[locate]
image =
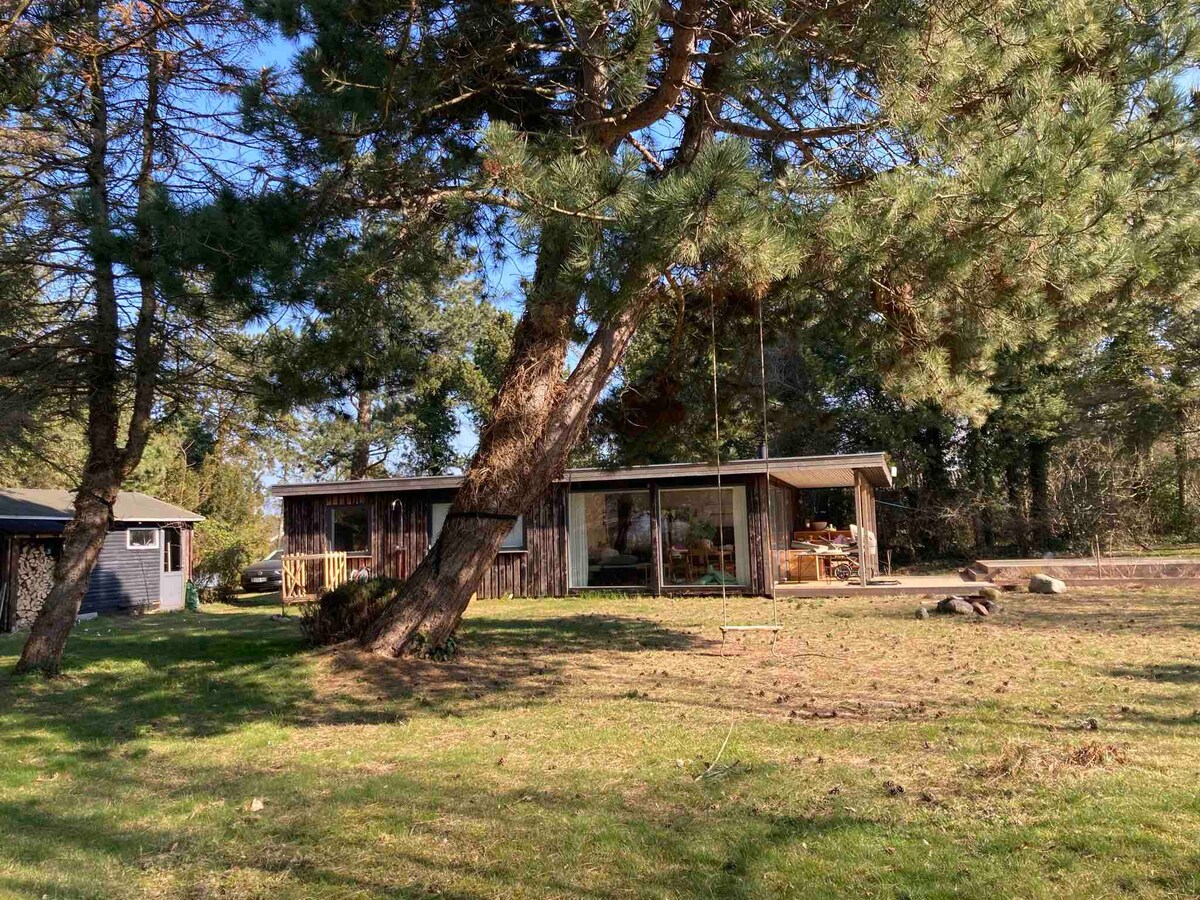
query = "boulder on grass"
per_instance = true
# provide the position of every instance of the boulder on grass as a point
(955, 606)
(922, 613)
(1044, 584)
(991, 606)
(980, 608)
(990, 593)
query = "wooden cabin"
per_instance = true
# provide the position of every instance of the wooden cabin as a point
(650, 529)
(144, 565)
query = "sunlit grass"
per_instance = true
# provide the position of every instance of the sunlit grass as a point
(1050, 751)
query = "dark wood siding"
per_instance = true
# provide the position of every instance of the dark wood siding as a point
(759, 528)
(400, 524)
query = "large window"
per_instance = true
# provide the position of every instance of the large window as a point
(514, 540)
(705, 539)
(350, 529)
(610, 539)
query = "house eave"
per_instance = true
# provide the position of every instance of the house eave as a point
(804, 471)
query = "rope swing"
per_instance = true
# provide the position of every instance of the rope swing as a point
(774, 628)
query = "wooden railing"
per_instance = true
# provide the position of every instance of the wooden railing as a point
(307, 575)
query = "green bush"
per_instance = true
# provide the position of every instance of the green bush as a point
(345, 612)
(223, 550)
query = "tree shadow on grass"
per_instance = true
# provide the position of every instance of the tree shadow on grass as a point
(255, 600)
(176, 673)
(668, 839)
(207, 674)
(502, 662)
(1171, 673)
(583, 632)
(425, 830)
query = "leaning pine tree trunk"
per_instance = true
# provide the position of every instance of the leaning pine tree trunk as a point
(83, 540)
(537, 418)
(107, 463)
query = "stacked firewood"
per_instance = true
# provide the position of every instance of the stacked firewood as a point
(35, 575)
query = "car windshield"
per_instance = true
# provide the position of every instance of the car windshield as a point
(275, 555)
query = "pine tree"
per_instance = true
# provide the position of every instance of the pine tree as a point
(113, 129)
(958, 177)
(380, 361)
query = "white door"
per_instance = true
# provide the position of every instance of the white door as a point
(170, 584)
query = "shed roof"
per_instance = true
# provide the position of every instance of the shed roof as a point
(798, 471)
(39, 505)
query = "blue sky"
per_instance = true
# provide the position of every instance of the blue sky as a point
(502, 275)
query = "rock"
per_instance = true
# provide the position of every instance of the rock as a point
(1044, 584)
(956, 606)
(991, 606)
(990, 593)
(980, 609)
(922, 613)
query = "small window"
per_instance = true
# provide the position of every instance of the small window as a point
(514, 540)
(349, 529)
(141, 539)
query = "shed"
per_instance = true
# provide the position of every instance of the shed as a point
(143, 566)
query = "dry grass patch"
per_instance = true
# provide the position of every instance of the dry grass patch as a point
(1024, 760)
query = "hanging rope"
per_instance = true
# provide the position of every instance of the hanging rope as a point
(766, 452)
(712, 323)
(774, 627)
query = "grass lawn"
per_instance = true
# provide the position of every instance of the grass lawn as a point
(1051, 751)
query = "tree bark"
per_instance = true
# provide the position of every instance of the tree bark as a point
(84, 538)
(537, 417)
(538, 420)
(107, 464)
(1016, 506)
(933, 444)
(360, 460)
(1182, 464)
(981, 517)
(1039, 494)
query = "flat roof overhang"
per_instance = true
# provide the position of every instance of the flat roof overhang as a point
(797, 471)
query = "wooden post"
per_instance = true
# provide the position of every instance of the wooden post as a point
(868, 541)
(7, 585)
(656, 554)
(860, 516)
(766, 535)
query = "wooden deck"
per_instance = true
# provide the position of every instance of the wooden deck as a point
(1108, 569)
(943, 585)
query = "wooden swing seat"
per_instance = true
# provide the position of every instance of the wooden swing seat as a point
(774, 629)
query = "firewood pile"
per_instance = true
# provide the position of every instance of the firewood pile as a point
(35, 575)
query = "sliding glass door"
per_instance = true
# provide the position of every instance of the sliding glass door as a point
(610, 539)
(705, 538)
